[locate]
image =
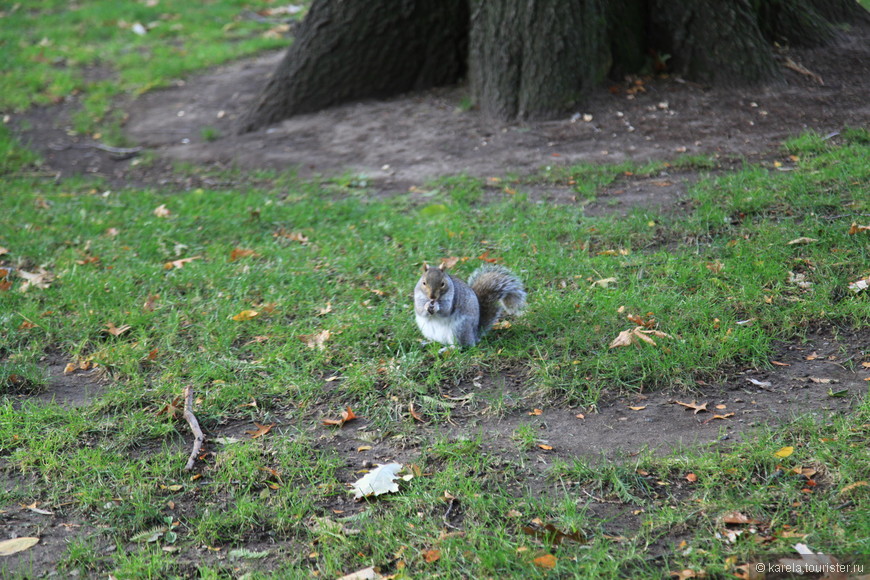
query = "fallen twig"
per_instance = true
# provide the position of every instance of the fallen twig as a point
(799, 68)
(199, 438)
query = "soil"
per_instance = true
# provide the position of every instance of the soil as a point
(407, 140)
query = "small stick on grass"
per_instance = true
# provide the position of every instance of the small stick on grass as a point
(199, 438)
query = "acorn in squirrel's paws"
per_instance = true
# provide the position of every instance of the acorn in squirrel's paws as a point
(452, 312)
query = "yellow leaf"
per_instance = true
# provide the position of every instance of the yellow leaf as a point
(15, 545)
(637, 408)
(784, 452)
(246, 315)
(547, 561)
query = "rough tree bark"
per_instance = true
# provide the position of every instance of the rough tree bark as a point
(356, 49)
(533, 58)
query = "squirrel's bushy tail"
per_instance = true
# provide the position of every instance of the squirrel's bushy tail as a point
(497, 289)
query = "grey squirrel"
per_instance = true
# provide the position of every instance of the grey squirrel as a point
(452, 312)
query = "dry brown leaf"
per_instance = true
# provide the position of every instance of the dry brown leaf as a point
(545, 447)
(536, 412)
(860, 284)
(260, 430)
(802, 240)
(316, 340)
(239, 253)
(40, 279)
(853, 486)
(161, 211)
(3, 251)
(70, 368)
(150, 301)
(737, 518)
(641, 408)
(697, 408)
(173, 408)
(325, 310)
(346, 415)
(414, 413)
(627, 337)
(448, 263)
(431, 555)
(715, 266)
(115, 330)
(15, 545)
(855, 228)
(551, 534)
(179, 263)
(691, 477)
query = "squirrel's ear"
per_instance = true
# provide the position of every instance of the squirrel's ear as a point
(425, 267)
(442, 266)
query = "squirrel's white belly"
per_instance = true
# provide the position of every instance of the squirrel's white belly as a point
(437, 328)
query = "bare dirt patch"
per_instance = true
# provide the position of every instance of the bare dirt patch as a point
(409, 139)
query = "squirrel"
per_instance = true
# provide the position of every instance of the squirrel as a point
(452, 312)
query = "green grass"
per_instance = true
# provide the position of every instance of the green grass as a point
(320, 247)
(325, 257)
(91, 51)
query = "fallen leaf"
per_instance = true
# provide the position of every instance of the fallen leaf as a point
(688, 573)
(3, 251)
(855, 228)
(378, 481)
(603, 283)
(853, 486)
(16, 545)
(637, 408)
(484, 257)
(545, 447)
(691, 477)
(823, 380)
(239, 253)
(172, 408)
(115, 330)
(536, 412)
(346, 415)
(70, 368)
(40, 279)
(32, 507)
(325, 310)
(784, 452)
(737, 518)
(757, 383)
(150, 301)
(580, 416)
(802, 241)
(245, 315)
(414, 413)
(363, 574)
(179, 263)
(780, 364)
(627, 337)
(431, 555)
(316, 340)
(547, 561)
(447, 263)
(260, 430)
(551, 534)
(715, 266)
(292, 236)
(161, 211)
(694, 406)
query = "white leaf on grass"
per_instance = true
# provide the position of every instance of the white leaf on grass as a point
(364, 574)
(859, 285)
(758, 383)
(378, 481)
(8, 547)
(41, 279)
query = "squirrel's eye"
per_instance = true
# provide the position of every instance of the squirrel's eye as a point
(444, 284)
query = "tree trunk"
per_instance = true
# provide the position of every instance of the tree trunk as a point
(533, 58)
(711, 41)
(357, 49)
